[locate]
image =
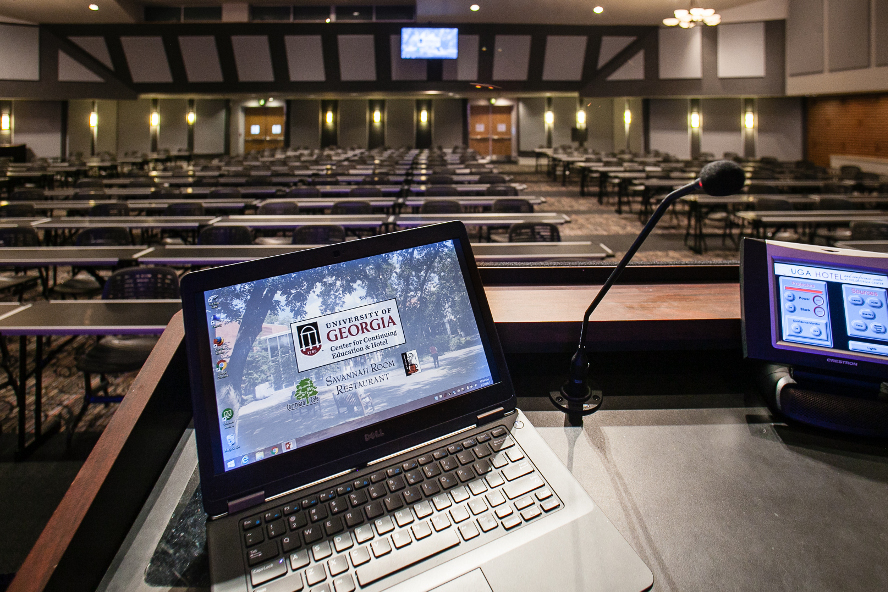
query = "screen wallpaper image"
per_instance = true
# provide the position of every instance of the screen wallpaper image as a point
(302, 357)
(839, 309)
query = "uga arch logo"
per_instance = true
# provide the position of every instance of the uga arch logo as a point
(309, 339)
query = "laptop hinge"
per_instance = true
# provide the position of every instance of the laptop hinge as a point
(489, 415)
(254, 499)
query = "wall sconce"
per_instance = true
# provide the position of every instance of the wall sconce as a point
(93, 119)
(749, 120)
(377, 116)
(155, 119)
(4, 122)
(581, 119)
(329, 118)
(695, 120)
(423, 116)
(190, 117)
(550, 118)
(627, 117)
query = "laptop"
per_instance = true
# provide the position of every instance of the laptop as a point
(357, 429)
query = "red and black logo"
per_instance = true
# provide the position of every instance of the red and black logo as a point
(309, 339)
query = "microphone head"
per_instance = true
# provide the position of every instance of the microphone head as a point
(722, 177)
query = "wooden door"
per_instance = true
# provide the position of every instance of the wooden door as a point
(490, 129)
(263, 128)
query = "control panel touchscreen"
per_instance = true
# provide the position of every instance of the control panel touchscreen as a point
(832, 307)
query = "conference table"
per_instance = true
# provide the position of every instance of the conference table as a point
(812, 219)
(71, 225)
(376, 222)
(536, 252)
(876, 246)
(390, 204)
(484, 221)
(463, 188)
(467, 201)
(70, 318)
(83, 206)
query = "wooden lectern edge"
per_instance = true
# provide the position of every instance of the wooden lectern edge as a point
(44, 557)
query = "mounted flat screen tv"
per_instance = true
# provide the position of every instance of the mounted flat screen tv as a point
(429, 43)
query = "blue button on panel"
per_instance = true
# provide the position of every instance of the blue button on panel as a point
(868, 348)
(806, 311)
(867, 320)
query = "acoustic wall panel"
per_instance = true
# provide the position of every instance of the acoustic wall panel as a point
(599, 123)
(78, 126)
(106, 138)
(741, 50)
(804, 37)
(780, 126)
(465, 66)
(400, 127)
(70, 70)
(633, 69)
(147, 59)
(173, 129)
(357, 59)
(252, 58)
(96, 47)
(19, 53)
(405, 69)
(681, 53)
(38, 125)
(720, 126)
(305, 58)
(531, 123)
(881, 15)
(305, 123)
(565, 55)
(134, 131)
(611, 46)
(447, 122)
(353, 123)
(849, 34)
(668, 125)
(511, 57)
(565, 111)
(201, 58)
(209, 126)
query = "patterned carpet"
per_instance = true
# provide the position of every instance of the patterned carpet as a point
(63, 384)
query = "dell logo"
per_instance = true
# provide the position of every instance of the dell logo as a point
(373, 435)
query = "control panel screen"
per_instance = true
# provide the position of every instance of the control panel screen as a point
(833, 308)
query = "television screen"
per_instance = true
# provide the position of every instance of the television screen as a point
(429, 43)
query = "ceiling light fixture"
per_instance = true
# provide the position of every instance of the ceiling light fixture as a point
(474, 8)
(688, 19)
(93, 7)
(598, 10)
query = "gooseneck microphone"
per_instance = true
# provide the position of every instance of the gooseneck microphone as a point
(575, 398)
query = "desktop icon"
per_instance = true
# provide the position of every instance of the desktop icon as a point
(231, 439)
(287, 445)
(245, 459)
(260, 455)
(274, 450)
(231, 464)
(213, 301)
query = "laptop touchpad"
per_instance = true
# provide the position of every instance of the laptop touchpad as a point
(473, 581)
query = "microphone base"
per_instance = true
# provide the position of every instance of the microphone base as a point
(576, 407)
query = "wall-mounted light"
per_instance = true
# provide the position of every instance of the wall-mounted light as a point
(4, 122)
(627, 116)
(377, 116)
(550, 118)
(329, 118)
(423, 116)
(261, 102)
(749, 120)
(598, 10)
(581, 118)
(695, 120)
(190, 117)
(155, 119)
(474, 8)
(93, 7)
(93, 119)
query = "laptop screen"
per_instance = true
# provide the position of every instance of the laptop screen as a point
(302, 357)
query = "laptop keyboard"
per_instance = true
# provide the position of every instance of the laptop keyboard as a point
(354, 534)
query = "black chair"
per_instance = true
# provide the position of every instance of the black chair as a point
(352, 207)
(513, 206)
(491, 179)
(225, 235)
(121, 354)
(225, 193)
(776, 204)
(365, 191)
(165, 193)
(534, 232)
(19, 237)
(142, 182)
(184, 209)
(325, 180)
(439, 180)
(375, 180)
(27, 194)
(278, 208)
(441, 191)
(89, 184)
(441, 206)
(501, 190)
(318, 234)
(759, 189)
(120, 208)
(863, 230)
(90, 283)
(17, 210)
(306, 191)
(849, 171)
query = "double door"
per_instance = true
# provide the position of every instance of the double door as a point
(490, 129)
(263, 128)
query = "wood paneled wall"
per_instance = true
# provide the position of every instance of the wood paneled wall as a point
(855, 124)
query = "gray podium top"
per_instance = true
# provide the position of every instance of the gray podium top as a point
(718, 497)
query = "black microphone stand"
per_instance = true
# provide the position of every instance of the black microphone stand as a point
(576, 398)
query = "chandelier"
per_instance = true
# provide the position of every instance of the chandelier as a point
(687, 19)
